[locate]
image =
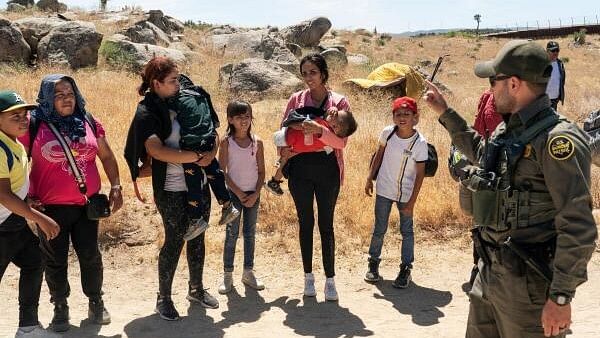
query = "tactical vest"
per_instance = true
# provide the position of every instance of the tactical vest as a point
(496, 203)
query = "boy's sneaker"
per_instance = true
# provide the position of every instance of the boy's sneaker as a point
(250, 280)
(60, 320)
(97, 312)
(403, 278)
(372, 275)
(165, 309)
(330, 291)
(229, 213)
(274, 186)
(34, 331)
(309, 285)
(227, 284)
(201, 296)
(196, 228)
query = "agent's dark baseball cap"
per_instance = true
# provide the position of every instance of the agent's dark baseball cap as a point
(552, 46)
(522, 58)
(11, 101)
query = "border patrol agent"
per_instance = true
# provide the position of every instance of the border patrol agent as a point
(531, 201)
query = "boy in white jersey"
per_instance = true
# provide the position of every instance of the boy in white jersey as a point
(18, 244)
(399, 168)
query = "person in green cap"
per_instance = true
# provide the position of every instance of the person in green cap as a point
(18, 244)
(531, 201)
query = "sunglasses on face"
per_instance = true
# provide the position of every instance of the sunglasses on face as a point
(495, 78)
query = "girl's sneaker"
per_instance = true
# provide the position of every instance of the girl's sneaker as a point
(309, 285)
(35, 331)
(330, 291)
(227, 284)
(250, 280)
(274, 186)
(196, 228)
(229, 214)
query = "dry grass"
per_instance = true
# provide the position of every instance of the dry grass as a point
(111, 97)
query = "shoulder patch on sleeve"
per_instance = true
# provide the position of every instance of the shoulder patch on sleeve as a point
(561, 147)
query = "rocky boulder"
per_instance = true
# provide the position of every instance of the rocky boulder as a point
(307, 33)
(357, 59)
(257, 44)
(25, 3)
(34, 29)
(12, 7)
(147, 32)
(74, 43)
(13, 47)
(51, 6)
(255, 79)
(166, 23)
(334, 57)
(224, 29)
(118, 50)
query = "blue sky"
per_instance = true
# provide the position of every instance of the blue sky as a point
(393, 16)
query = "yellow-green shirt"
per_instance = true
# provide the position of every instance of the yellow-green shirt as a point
(18, 175)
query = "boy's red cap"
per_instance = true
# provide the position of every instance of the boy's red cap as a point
(405, 102)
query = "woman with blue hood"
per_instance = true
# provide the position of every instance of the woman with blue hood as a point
(62, 186)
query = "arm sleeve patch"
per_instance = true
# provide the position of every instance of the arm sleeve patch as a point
(561, 147)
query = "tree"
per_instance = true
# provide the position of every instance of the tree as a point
(375, 30)
(477, 18)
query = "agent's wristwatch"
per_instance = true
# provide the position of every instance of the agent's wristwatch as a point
(560, 299)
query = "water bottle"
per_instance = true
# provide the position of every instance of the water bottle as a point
(308, 138)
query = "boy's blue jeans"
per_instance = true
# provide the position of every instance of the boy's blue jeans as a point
(248, 216)
(383, 207)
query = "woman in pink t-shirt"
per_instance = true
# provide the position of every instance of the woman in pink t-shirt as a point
(56, 192)
(317, 175)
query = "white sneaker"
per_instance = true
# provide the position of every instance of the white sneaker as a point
(330, 291)
(35, 331)
(309, 285)
(227, 284)
(250, 279)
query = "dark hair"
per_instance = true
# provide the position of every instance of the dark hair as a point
(319, 61)
(349, 124)
(236, 108)
(537, 88)
(156, 69)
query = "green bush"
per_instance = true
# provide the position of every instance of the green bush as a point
(579, 37)
(115, 55)
(200, 25)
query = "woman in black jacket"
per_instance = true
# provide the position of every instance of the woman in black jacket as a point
(154, 133)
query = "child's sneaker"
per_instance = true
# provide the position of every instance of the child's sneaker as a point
(330, 291)
(227, 284)
(403, 279)
(196, 228)
(309, 285)
(274, 186)
(229, 213)
(250, 280)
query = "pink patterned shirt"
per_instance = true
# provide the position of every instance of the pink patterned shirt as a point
(51, 178)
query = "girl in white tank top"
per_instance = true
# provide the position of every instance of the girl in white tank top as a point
(241, 155)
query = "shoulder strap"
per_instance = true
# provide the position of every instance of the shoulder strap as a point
(530, 133)
(69, 155)
(9, 155)
(391, 134)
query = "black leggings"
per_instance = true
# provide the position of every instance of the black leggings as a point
(83, 233)
(315, 175)
(172, 207)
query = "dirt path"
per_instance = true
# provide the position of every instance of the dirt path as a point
(434, 306)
